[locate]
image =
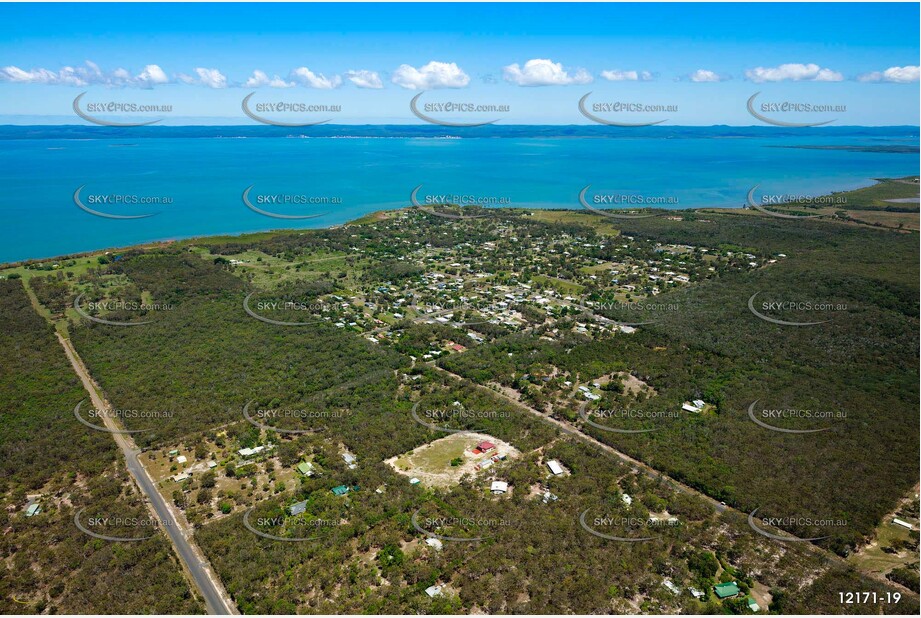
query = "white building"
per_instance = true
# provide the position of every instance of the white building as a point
(499, 487)
(555, 467)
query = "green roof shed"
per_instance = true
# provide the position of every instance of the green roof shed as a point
(724, 591)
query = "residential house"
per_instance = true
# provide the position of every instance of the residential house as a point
(298, 508)
(726, 590)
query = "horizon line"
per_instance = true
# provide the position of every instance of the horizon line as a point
(494, 126)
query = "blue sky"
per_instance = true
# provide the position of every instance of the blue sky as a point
(699, 62)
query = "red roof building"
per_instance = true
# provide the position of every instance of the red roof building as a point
(485, 446)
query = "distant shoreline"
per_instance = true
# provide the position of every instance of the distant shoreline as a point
(400, 131)
(894, 149)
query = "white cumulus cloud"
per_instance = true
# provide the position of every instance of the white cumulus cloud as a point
(627, 76)
(88, 75)
(365, 79)
(898, 75)
(703, 75)
(151, 76)
(259, 79)
(793, 72)
(33, 76)
(432, 75)
(308, 78)
(211, 78)
(543, 72)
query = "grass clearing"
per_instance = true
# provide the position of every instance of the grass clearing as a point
(431, 463)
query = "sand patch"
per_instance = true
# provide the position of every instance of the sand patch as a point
(431, 463)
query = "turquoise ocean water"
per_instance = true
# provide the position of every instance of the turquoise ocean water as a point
(203, 176)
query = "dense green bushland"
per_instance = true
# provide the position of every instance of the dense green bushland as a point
(49, 565)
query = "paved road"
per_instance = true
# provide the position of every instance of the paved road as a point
(607, 448)
(216, 598)
(719, 507)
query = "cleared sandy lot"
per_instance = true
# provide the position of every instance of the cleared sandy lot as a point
(431, 463)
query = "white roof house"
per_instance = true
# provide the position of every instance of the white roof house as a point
(433, 591)
(434, 544)
(688, 407)
(900, 522)
(671, 586)
(627, 499)
(555, 467)
(246, 452)
(181, 459)
(499, 487)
